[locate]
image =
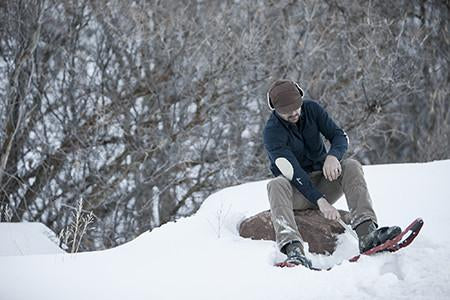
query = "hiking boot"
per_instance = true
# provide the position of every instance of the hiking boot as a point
(370, 236)
(296, 255)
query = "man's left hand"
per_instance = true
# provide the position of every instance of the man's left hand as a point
(331, 168)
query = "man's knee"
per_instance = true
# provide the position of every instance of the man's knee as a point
(351, 165)
(278, 182)
(278, 185)
(352, 172)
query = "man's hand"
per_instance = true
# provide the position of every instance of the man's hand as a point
(328, 210)
(331, 168)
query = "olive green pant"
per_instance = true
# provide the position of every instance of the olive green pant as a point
(284, 198)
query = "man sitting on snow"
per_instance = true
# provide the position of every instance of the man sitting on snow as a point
(307, 176)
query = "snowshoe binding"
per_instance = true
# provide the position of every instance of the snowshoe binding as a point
(295, 256)
(370, 236)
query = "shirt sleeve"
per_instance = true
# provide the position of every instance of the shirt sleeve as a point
(337, 137)
(288, 165)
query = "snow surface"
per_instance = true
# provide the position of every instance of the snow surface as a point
(27, 238)
(203, 257)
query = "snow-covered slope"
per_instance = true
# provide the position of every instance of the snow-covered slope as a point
(203, 257)
(27, 238)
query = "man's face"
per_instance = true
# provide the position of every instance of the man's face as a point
(292, 117)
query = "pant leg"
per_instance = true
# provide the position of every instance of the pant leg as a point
(284, 197)
(331, 189)
(280, 192)
(356, 192)
(352, 184)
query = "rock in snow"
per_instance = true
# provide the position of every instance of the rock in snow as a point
(320, 234)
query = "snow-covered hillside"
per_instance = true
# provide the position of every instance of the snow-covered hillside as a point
(27, 238)
(203, 257)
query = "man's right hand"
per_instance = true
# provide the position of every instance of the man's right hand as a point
(328, 210)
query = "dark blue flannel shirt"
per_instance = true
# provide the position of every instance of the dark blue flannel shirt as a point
(302, 145)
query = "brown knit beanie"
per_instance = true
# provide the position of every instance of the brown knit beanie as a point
(285, 96)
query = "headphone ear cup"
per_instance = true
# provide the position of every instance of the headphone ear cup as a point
(299, 88)
(269, 102)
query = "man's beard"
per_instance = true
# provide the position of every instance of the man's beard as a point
(294, 118)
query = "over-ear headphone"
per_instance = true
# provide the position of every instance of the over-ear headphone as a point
(269, 101)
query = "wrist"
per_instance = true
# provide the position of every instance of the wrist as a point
(331, 156)
(322, 201)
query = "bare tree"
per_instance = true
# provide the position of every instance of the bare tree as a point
(143, 108)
